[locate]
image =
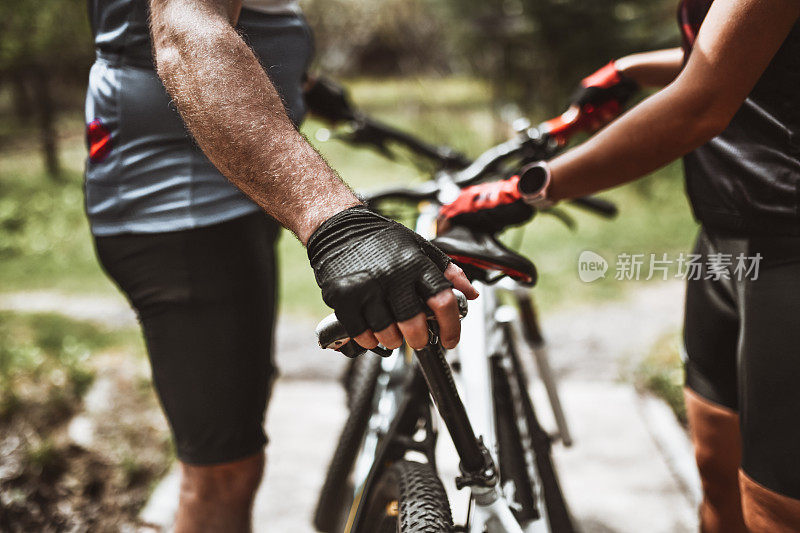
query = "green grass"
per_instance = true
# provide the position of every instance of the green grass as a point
(661, 373)
(45, 242)
(44, 358)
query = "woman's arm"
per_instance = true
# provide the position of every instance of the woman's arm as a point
(736, 43)
(601, 96)
(652, 69)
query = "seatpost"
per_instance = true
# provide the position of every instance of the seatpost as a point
(477, 466)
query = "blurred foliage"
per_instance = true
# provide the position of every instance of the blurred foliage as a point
(380, 37)
(45, 53)
(44, 235)
(533, 52)
(51, 34)
(661, 373)
(44, 359)
(536, 51)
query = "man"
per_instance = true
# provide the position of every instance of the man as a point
(731, 107)
(195, 256)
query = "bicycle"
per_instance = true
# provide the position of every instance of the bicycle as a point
(504, 452)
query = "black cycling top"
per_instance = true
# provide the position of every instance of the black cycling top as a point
(747, 179)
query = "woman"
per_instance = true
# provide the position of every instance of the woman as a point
(731, 108)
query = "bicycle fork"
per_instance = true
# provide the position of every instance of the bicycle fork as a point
(478, 471)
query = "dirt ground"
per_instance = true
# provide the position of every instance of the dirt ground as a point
(83, 465)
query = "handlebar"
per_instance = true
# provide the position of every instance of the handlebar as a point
(330, 101)
(429, 190)
(598, 206)
(374, 133)
(331, 334)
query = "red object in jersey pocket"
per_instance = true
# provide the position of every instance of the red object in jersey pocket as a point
(99, 140)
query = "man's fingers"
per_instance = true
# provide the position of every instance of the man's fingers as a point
(366, 340)
(456, 276)
(445, 308)
(415, 331)
(390, 337)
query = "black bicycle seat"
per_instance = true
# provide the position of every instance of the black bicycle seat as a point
(478, 253)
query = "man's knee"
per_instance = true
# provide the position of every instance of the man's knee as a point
(234, 482)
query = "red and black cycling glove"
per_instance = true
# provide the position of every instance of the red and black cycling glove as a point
(599, 99)
(603, 95)
(488, 207)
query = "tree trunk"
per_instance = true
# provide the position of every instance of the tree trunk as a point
(21, 98)
(46, 119)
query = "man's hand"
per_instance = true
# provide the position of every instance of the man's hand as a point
(378, 275)
(487, 207)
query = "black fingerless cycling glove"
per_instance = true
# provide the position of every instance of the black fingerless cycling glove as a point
(374, 271)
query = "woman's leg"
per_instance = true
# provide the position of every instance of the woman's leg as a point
(717, 448)
(770, 388)
(711, 334)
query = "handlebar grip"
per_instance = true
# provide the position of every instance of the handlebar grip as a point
(577, 119)
(329, 100)
(331, 334)
(598, 206)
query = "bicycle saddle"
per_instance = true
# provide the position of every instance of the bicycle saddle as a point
(478, 253)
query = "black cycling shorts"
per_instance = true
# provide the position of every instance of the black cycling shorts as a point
(205, 298)
(742, 341)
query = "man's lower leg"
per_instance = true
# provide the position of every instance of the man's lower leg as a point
(219, 497)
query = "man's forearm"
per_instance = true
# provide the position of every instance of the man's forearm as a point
(237, 117)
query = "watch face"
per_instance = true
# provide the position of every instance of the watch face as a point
(532, 180)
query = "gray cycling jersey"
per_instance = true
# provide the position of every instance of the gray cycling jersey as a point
(274, 7)
(145, 173)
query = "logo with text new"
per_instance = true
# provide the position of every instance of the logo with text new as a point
(591, 266)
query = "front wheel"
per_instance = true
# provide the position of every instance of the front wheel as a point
(408, 498)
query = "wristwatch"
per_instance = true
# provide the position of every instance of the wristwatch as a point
(534, 181)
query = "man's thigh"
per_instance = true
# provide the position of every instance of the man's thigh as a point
(206, 301)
